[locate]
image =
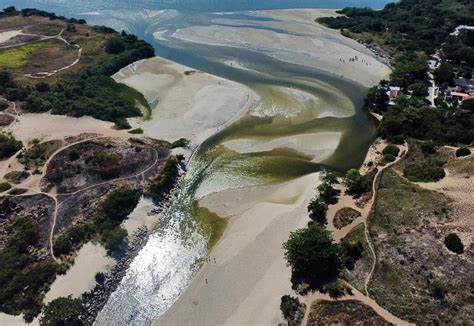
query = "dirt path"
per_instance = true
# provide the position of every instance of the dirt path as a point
(347, 201)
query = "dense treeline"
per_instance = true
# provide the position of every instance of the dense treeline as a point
(89, 92)
(409, 25)
(21, 279)
(416, 29)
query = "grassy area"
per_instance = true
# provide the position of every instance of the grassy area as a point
(137, 131)
(20, 56)
(356, 276)
(16, 177)
(136, 97)
(213, 224)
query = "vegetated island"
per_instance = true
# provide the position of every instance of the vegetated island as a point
(58, 193)
(394, 238)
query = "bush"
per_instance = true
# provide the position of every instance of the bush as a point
(113, 238)
(137, 131)
(114, 45)
(429, 170)
(8, 146)
(453, 243)
(387, 158)
(428, 148)
(182, 142)
(3, 105)
(62, 311)
(463, 151)
(438, 290)
(356, 184)
(318, 209)
(16, 177)
(166, 180)
(4, 186)
(74, 155)
(291, 309)
(72, 238)
(313, 256)
(391, 150)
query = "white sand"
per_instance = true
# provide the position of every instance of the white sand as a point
(250, 275)
(140, 216)
(5, 36)
(80, 278)
(319, 145)
(47, 126)
(193, 106)
(304, 42)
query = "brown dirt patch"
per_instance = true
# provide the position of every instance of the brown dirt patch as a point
(344, 312)
(345, 216)
(6, 120)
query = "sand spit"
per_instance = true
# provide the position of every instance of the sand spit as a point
(296, 38)
(187, 103)
(244, 284)
(319, 145)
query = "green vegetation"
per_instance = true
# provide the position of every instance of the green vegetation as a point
(213, 224)
(107, 224)
(166, 179)
(313, 256)
(352, 251)
(327, 192)
(22, 280)
(292, 310)
(463, 151)
(62, 311)
(16, 177)
(19, 56)
(17, 191)
(317, 210)
(36, 155)
(453, 243)
(8, 146)
(88, 92)
(391, 150)
(182, 142)
(356, 183)
(345, 216)
(429, 170)
(3, 105)
(137, 131)
(4, 186)
(438, 290)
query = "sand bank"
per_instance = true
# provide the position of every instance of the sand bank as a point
(249, 275)
(187, 103)
(319, 145)
(80, 278)
(5, 36)
(47, 127)
(294, 37)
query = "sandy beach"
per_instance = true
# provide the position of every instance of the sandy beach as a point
(186, 103)
(249, 275)
(293, 37)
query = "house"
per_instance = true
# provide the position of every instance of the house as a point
(465, 84)
(461, 97)
(393, 92)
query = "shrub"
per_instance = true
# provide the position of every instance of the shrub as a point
(453, 243)
(318, 209)
(391, 150)
(62, 311)
(137, 131)
(166, 180)
(182, 142)
(4, 186)
(356, 184)
(463, 151)
(428, 148)
(74, 155)
(16, 177)
(330, 178)
(438, 289)
(114, 45)
(429, 170)
(113, 238)
(313, 256)
(72, 238)
(291, 309)
(388, 158)
(8, 146)
(3, 105)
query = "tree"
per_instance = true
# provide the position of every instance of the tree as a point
(291, 309)
(327, 192)
(8, 146)
(391, 150)
(356, 184)
(330, 178)
(313, 256)
(114, 45)
(453, 243)
(62, 311)
(444, 74)
(463, 151)
(317, 209)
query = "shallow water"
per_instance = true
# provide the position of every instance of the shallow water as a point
(324, 103)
